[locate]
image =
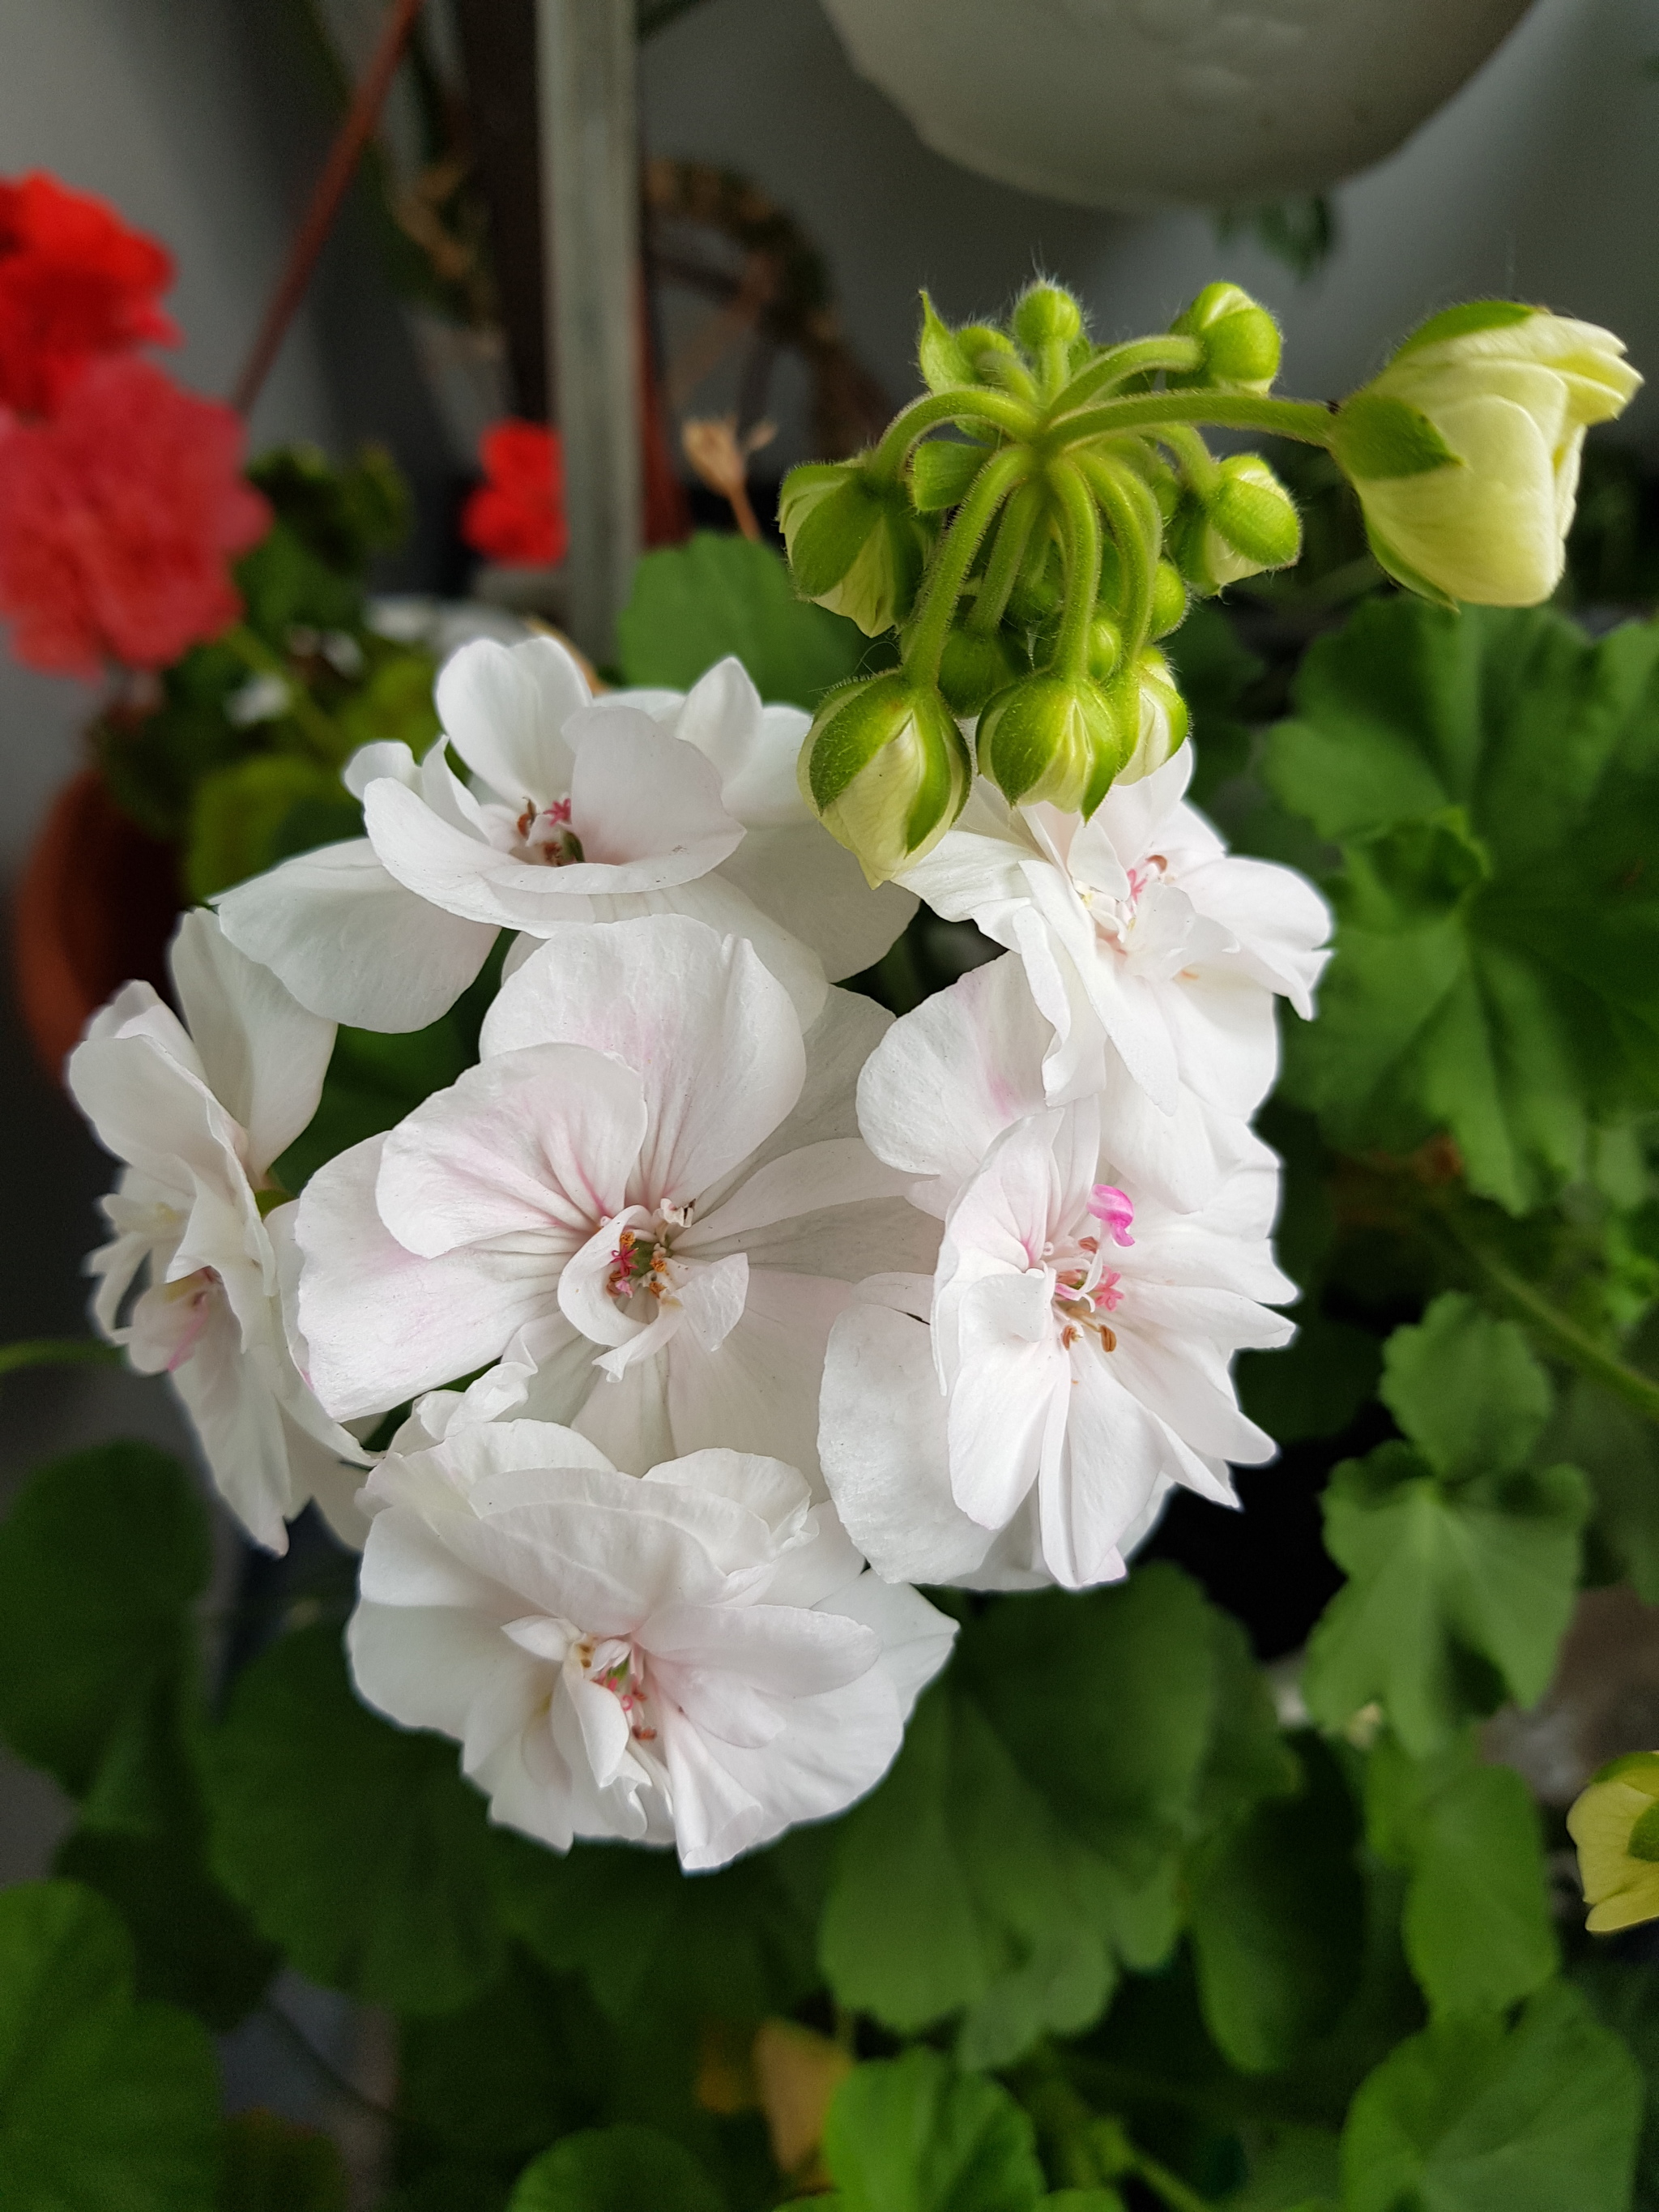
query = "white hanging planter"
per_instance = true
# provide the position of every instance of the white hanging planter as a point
(1137, 103)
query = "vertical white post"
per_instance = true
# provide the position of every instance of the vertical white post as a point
(590, 219)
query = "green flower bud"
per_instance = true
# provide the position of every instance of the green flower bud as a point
(1045, 315)
(976, 665)
(1169, 599)
(1247, 524)
(939, 357)
(886, 770)
(1615, 1825)
(1161, 719)
(1105, 645)
(854, 545)
(1465, 451)
(1054, 737)
(1240, 340)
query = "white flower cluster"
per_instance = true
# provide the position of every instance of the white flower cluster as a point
(773, 1306)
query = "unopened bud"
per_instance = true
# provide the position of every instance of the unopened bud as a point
(976, 665)
(886, 770)
(1056, 739)
(1247, 524)
(1240, 339)
(1169, 599)
(1105, 645)
(1045, 316)
(854, 546)
(1160, 714)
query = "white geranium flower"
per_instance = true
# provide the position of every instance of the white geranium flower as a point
(649, 1176)
(1081, 1329)
(198, 1113)
(576, 811)
(1153, 953)
(695, 1657)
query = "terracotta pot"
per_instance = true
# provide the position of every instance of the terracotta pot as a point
(1155, 103)
(95, 905)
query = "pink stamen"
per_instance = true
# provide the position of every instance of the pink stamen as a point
(1115, 1211)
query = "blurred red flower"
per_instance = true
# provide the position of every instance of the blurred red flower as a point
(118, 518)
(75, 282)
(516, 516)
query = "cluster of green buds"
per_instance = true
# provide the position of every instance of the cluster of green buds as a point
(1035, 525)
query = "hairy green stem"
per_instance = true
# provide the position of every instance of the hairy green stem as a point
(1168, 2186)
(58, 1352)
(1002, 570)
(1137, 527)
(1140, 357)
(1559, 1331)
(994, 410)
(1193, 457)
(942, 588)
(315, 725)
(1082, 567)
(1305, 420)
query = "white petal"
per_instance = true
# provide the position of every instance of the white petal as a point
(842, 1171)
(1003, 1398)
(387, 757)
(503, 708)
(711, 1034)
(638, 796)
(264, 1056)
(350, 943)
(815, 889)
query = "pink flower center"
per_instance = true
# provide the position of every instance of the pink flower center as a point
(1086, 1289)
(544, 835)
(1113, 1210)
(615, 1665)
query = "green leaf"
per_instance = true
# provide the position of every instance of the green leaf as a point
(616, 2170)
(651, 1940)
(938, 356)
(1626, 1999)
(499, 2078)
(1465, 1389)
(1011, 1857)
(106, 2105)
(912, 2135)
(246, 817)
(692, 604)
(941, 472)
(1477, 1922)
(1214, 672)
(1492, 776)
(1469, 316)
(357, 1847)
(272, 2165)
(1278, 1920)
(1456, 1600)
(374, 1080)
(1316, 1386)
(1620, 1453)
(102, 1558)
(195, 1945)
(1469, 2117)
(1293, 2169)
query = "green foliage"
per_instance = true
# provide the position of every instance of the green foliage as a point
(252, 813)
(1014, 1854)
(101, 1560)
(694, 604)
(616, 2170)
(1473, 2117)
(912, 2135)
(106, 2104)
(1493, 780)
(1463, 1561)
(1476, 1925)
(1277, 1920)
(272, 2165)
(1215, 673)
(356, 1846)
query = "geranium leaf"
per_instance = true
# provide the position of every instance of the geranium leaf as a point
(1477, 1925)
(616, 2170)
(272, 2165)
(912, 2135)
(1278, 1920)
(1008, 1863)
(106, 2105)
(1471, 2117)
(102, 1557)
(1492, 777)
(356, 1846)
(692, 604)
(1466, 1389)
(1456, 1598)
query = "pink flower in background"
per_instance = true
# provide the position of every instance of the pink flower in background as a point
(118, 519)
(75, 282)
(516, 516)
